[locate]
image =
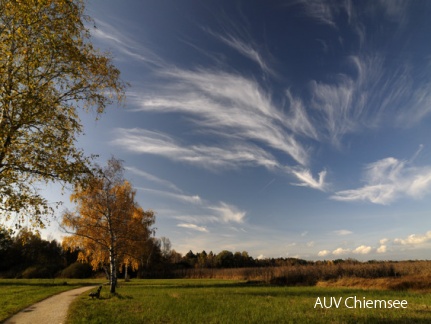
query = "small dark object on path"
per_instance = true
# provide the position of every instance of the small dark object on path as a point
(96, 294)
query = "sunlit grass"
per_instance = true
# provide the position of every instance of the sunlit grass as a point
(216, 301)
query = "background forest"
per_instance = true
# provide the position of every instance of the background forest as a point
(26, 255)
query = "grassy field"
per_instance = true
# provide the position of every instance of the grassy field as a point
(229, 301)
(17, 294)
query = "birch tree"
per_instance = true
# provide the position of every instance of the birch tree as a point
(49, 70)
(108, 226)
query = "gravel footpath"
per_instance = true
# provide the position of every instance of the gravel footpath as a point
(52, 310)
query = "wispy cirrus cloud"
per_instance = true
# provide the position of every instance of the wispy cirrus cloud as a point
(221, 213)
(153, 178)
(195, 199)
(208, 212)
(232, 106)
(193, 227)
(388, 180)
(113, 37)
(394, 10)
(342, 232)
(352, 102)
(226, 156)
(228, 213)
(307, 179)
(418, 99)
(245, 47)
(326, 11)
(321, 11)
(230, 155)
(238, 112)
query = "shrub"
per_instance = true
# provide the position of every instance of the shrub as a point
(39, 271)
(77, 270)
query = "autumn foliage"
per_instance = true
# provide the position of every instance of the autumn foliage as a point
(49, 70)
(108, 227)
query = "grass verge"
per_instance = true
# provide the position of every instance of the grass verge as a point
(227, 301)
(21, 293)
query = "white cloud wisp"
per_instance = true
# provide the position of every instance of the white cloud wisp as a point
(387, 180)
(193, 227)
(233, 107)
(231, 155)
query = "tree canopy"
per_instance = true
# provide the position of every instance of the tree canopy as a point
(108, 227)
(49, 70)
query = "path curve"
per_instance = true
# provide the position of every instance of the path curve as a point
(52, 310)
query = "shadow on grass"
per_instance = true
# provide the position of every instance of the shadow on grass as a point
(215, 284)
(45, 284)
(246, 288)
(112, 296)
(402, 320)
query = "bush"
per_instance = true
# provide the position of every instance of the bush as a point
(39, 271)
(77, 270)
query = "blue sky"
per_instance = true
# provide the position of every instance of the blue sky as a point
(283, 128)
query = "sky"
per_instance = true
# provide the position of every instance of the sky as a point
(281, 128)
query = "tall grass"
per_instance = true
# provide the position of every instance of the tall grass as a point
(397, 275)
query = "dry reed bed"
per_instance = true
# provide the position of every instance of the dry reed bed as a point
(378, 275)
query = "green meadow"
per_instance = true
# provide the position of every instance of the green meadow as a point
(229, 301)
(214, 301)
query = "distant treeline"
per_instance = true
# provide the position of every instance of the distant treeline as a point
(27, 255)
(228, 259)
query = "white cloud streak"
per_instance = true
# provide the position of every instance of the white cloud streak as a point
(245, 48)
(193, 227)
(221, 212)
(230, 155)
(342, 232)
(210, 157)
(112, 36)
(387, 180)
(308, 180)
(321, 11)
(232, 107)
(196, 200)
(239, 111)
(229, 213)
(352, 101)
(153, 178)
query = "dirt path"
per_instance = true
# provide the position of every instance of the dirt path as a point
(52, 310)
